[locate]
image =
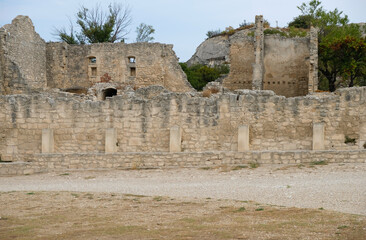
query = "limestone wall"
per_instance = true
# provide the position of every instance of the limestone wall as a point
(143, 120)
(22, 57)
(138, 64)
(286, 65)
(241, 70)
(40, 163)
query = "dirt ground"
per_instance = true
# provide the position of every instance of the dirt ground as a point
(188, 203)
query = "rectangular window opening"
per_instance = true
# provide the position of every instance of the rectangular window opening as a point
(94, 71)
(133, 72)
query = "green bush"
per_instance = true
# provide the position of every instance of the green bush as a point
(213, 33)
(199, 75)
(289, 33)
(245, 24)
(297, 32)
(229, 31)
(251, 34)
(274, 31)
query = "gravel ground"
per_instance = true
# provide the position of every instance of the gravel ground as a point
(333, 187)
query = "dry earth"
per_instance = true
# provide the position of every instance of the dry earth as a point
(188, 203)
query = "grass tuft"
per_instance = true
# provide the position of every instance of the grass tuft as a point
(239, 167)
(158, 198)
(253, 165)
(322, 162)
(242, 209)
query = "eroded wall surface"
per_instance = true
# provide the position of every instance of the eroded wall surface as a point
(22, 57)
(242, 58)
(286, 64)
(143, 120)
(138, 64)
(29, 64)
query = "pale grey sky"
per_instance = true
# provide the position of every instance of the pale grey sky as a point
(183, 23)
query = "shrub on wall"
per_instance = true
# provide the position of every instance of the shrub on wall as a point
(213, 33)
(274, 31)
(199, 75)
(290, 32)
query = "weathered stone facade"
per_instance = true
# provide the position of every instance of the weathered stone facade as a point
(143, 120)
(122, 123)
(136, 65)
(41, 163)
(22, 58)
(29, 64)
(285, 65)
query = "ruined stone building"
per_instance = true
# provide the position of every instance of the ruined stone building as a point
(131, 106)
(28, 63)
(285, 65)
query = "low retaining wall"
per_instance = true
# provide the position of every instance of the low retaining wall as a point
(38, 163)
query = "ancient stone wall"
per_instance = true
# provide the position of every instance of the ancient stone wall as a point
(22, 58)
(41, 163)
(258, 65)
(142, 121)
(313, 60)
(27, 63)
(138, 65)
(286, 65)
(242, 58)
(275, 63)
(67, 66)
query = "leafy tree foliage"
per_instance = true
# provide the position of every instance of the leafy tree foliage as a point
(341, 47)
(343, 57)
(97, 25)
(199, 75)
(144, 33)
(302, 21)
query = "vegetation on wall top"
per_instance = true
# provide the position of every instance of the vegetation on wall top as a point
(199, 75)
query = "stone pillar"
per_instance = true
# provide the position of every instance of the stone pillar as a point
(110, 140)
(175, 142)
(313, 61)
(362, 141)
(318, 136)
(243, 138)
(48, 145)
(258, 66)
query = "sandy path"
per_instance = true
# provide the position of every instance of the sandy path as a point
(333, 187)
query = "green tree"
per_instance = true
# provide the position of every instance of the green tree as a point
(340, 45)
(342, 56)
(97, 25)
(354, 66)
(144, 33)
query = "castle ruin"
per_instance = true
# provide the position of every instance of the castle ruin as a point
(130, 106)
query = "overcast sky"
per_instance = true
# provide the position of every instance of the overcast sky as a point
(183, 23)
